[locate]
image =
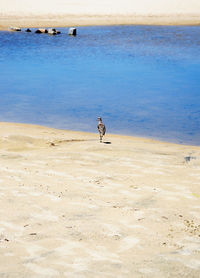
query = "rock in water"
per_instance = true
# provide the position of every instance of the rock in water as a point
(41, 30)
(16, 29)
(72, 32)
(53, 31)
(38, 31)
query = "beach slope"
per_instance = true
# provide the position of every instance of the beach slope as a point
(74, 207)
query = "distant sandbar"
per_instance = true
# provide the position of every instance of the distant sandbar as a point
(50, 20)
(63, 13)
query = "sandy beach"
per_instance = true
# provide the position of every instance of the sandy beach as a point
(73, 207)
(65, 13)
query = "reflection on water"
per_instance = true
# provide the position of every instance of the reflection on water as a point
(143, 80)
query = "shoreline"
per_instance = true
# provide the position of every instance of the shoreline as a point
(95, 134)
(67, 20)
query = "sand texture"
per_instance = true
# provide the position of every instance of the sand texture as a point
(73, 207)
(62, 13)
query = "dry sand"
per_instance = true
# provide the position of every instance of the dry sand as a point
(62, 13)
(73, 207)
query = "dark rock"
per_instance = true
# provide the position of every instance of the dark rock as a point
(40, 31)
(28, 30)
(72, 32)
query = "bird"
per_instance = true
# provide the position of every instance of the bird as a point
(101, 128)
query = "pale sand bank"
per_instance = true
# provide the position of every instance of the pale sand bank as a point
(61, 13)
(72, 207)
(92, 20)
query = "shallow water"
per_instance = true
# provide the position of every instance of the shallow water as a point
(143, 80)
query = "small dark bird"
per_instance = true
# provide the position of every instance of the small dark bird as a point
(101, 128)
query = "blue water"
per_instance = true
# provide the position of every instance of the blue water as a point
(142, 80)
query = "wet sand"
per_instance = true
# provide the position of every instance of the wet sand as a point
(73, 207)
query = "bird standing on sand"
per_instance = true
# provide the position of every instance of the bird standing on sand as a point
(101, 128)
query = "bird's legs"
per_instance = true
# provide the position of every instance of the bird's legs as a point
(101, 136)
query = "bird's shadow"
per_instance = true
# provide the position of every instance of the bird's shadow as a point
(107, 142)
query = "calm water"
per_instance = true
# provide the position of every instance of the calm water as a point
(143, 80)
